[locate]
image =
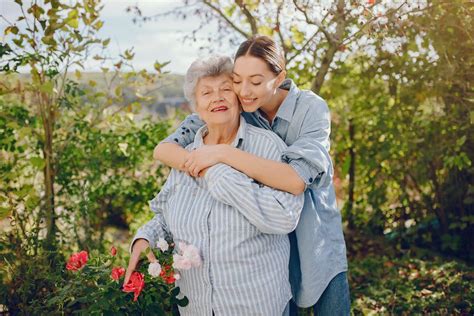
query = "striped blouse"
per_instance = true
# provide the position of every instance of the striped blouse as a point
(240, 228)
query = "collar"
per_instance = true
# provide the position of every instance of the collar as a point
(287, 107)
(237, 142)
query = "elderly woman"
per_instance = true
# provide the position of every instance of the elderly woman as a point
(239, 226)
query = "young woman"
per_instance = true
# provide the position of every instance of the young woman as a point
(318, 263)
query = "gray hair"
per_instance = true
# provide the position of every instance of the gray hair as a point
(211, 66)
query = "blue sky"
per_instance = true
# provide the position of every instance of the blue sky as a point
(162, 41)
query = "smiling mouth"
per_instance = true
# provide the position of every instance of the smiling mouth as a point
(247, 101)
(220, 109)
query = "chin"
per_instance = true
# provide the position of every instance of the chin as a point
(250, 108)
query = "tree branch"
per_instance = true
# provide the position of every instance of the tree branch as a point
(248, 15)
(225, 18)
(328, 35)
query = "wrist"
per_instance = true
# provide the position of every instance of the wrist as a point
(223, 153)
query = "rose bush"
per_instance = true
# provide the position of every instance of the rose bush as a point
(96, 285)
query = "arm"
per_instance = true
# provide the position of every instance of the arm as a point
(306, 162)
(148, 234)
(271, 173)
(156, 228)
(309, 154)
(271, 211)
(171, 150)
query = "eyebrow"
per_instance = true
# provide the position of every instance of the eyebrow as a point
(223, 82)
(259, 75)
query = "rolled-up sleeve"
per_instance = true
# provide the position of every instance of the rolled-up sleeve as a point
(309, 154)
(184, 134)
(156, 228)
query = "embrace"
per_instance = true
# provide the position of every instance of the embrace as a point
(251, 188)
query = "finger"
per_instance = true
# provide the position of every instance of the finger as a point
(187, 163)
(196, 170)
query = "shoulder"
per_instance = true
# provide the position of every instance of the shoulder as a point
(312, 106)
(314, 101)
(264, 137)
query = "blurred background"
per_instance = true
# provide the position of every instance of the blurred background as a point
(88, 88)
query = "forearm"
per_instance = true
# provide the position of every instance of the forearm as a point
(271, 211)
(151, 231)
(271, 173)
(170, 154)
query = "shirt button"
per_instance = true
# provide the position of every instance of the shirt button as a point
(310, 179)
(176, 140)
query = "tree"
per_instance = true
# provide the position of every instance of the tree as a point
(314, 36)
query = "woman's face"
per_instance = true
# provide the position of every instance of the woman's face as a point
(254, 83)
(216, 102)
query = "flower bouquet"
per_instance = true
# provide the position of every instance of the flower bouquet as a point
(95, 284)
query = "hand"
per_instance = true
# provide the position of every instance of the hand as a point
(138, 247)
(203, 158)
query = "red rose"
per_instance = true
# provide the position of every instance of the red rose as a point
(77, 261)
(113, 251)
(135, 284)
(117, 273)
(167, 273)
(170, 280)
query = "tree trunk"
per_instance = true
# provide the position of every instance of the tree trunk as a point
(350, 200)
(49, 176)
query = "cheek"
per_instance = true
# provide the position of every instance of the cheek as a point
(236, 88)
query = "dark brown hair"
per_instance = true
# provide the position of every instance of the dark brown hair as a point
(265, 48)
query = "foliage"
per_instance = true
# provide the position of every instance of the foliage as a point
(406, 282)
(74, 158)
(409, 155)
(92, 290)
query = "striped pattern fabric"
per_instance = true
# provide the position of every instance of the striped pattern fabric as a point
(240, 227)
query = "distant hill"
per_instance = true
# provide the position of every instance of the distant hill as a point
(167, 93)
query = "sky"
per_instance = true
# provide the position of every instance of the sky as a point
(154, 40)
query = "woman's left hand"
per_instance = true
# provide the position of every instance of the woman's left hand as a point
(203, 158)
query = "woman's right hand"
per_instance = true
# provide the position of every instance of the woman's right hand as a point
(138, 247)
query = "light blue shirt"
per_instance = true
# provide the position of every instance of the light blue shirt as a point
(318, 250)
(240, 228)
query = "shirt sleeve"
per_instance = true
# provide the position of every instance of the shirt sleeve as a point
(309, 154)
(271, 211)
(184, 134)
(156, 228)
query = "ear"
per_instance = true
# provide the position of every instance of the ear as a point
(280, 78)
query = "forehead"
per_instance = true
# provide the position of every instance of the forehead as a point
(213, 81)
(250, 65)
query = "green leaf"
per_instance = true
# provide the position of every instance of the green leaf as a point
(74, 23)
(183, 302)
(38, 162)
(11, 29)
(47, 87)
(4, 212)
(36, 10)
(98, 25)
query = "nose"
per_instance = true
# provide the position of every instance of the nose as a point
(218, 97)
(244, 90)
